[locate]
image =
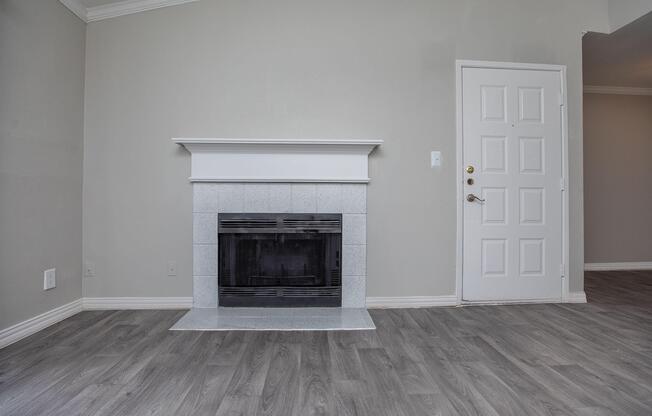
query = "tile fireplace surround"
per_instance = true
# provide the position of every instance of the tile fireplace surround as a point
(279, 176)
(209, 199)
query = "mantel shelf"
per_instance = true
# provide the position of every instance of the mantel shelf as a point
(279, 160)
(294, 142)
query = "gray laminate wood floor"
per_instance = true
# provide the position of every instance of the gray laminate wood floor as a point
(593, 359)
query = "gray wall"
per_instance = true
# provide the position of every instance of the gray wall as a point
(297, 68)
(617, 178)
(41, 129)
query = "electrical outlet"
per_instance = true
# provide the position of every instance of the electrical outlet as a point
(89, 269)
(172, 268)
(49, 279)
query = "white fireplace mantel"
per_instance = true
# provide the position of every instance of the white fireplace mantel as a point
(274, 160)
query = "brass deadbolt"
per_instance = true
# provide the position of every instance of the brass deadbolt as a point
(470, 169)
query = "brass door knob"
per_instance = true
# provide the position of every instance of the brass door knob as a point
(470, 169)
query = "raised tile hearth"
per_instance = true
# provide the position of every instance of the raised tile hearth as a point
(275, 319)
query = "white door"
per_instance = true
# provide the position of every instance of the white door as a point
(512, 155)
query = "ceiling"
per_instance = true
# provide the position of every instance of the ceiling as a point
(622, 58)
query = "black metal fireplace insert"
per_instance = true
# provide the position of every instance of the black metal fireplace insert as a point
(280, 260)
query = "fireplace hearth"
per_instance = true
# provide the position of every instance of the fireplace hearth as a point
(280, 260)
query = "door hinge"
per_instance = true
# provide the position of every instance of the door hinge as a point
(562, 184)
(562, 269)
(561, 99)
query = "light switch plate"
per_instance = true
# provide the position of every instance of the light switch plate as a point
(435, 158)
(49, 279)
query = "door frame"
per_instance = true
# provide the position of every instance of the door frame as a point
(459, 177)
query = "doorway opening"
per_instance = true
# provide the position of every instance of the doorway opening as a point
(617, 73)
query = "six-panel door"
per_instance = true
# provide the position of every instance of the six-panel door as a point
(512, 140)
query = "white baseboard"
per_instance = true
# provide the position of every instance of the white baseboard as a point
(631, 265)
(510, 302)
(411, 301)
(137, 303)
(576, 297)
(600, 89)
(451, 300)
(33, 325)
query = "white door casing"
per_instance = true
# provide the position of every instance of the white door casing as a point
(512, 134)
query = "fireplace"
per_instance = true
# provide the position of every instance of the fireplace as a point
(280, 260)
(292, 176)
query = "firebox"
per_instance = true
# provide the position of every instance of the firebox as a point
(280, 260)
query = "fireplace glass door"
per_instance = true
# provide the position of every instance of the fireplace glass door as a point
(279, 259)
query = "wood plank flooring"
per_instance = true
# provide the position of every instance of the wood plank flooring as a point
(592, 359)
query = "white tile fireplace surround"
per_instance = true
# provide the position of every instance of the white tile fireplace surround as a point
(209, 199)
(279, 176)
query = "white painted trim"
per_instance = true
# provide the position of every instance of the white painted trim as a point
(459, 179)
(277, 180)
(576, 297)
(76, 7)
(452, 300)
(371, 143)
(128, 303)
(599, 89)
(411, 301)
(465, 63)
(510, 302)
(33, 325)
(279, 160)
(459, 66)
(128, 7)
(122, 8)
(565, 281)
(630, 265)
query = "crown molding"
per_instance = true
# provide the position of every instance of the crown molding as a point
(128, 7)
(76, 7)
(599, 89)
(125, 7)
